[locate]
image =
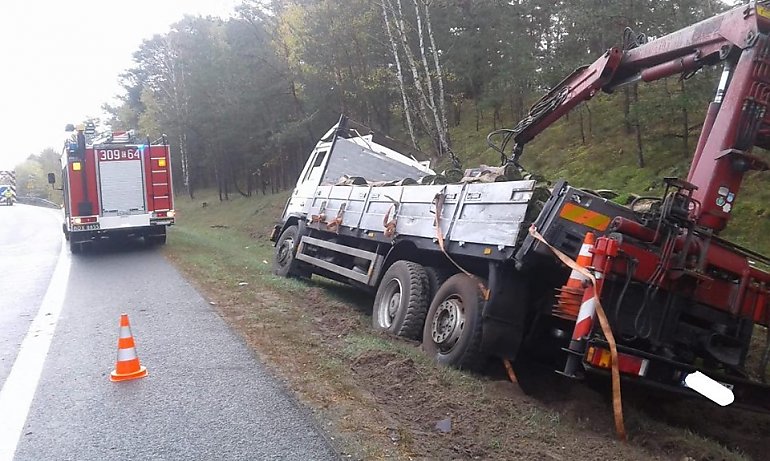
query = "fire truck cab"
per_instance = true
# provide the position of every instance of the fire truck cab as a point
(114, 185)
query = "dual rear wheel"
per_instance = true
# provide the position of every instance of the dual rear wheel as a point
(416, 302)
(422, 303)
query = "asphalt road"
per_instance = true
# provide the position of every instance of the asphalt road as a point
(206, 396)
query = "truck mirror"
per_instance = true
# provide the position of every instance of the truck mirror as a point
(51, 179)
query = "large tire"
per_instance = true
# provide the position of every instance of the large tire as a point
(401, 302)
(284, 262)
(76, 247)
(436, 277)
(453, 326)
(157, 238)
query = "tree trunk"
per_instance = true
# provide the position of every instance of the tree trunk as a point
(638, 128)
(185, 165)
(439, 74)
(590, 119)
(400, 28)
(234, 177)
(441, 129)
(627, 110)
(400, 77)
(685, 121)
(218, 178)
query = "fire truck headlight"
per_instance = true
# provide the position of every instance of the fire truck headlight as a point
(170, 213)
(75, 166)
(76, 220)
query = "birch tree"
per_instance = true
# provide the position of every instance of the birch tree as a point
(399, 76)
(432, 113)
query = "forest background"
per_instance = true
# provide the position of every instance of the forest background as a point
(243, 99)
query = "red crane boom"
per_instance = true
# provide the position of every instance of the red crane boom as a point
(736, 120)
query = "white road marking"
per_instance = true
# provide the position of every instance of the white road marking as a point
(20, 386)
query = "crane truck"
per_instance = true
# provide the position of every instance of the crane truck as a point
(471, 269)
(114, 185)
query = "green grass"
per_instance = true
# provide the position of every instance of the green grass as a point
(608, 160)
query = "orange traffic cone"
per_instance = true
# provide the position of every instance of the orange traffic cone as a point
(571, 294)
(127, 366)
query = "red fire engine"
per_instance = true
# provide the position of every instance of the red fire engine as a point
(115, 186)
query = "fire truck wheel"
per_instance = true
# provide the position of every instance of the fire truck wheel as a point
(452, 333)
(402, 300)
(284, 263)
(156, 239)
(76, 247)
(66, 234)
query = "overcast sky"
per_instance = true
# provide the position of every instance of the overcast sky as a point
(62, 59)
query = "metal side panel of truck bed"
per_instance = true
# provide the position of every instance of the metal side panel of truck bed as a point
(491, 214)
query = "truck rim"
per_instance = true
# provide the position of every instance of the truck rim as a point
(285, 251)
(389, 304)
(448, 323)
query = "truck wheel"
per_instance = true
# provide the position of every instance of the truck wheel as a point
(64, 230)
(76, 247)
(452, 333)
(402, 300)
(284, 263)
(156, 239)
(436, 277)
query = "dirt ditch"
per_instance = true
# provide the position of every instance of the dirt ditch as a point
(379, 398)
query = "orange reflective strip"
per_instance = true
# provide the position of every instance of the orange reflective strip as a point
(124, 320)
(584, 216)
(125, 343)
(127, 366)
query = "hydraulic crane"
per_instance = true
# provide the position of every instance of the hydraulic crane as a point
(736, 120)
(677, 294)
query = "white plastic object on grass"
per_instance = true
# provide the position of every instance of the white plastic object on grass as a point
(709, 388)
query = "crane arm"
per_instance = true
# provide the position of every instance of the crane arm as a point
(738, 38)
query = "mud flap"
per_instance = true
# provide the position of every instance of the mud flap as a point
(505, 313)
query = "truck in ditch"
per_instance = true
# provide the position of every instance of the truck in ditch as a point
(115, 186)
(645, 292)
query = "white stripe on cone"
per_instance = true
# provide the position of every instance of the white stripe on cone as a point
(126, 354)
(125, 332)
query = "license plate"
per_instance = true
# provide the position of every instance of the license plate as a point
(85, 227)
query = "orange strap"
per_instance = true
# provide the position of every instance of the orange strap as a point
(509, 370)
(334, 224)
(439, 201)
(389, 224)
(617, 403)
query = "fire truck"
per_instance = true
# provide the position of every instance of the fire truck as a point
(114, 185)
(492, 269)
